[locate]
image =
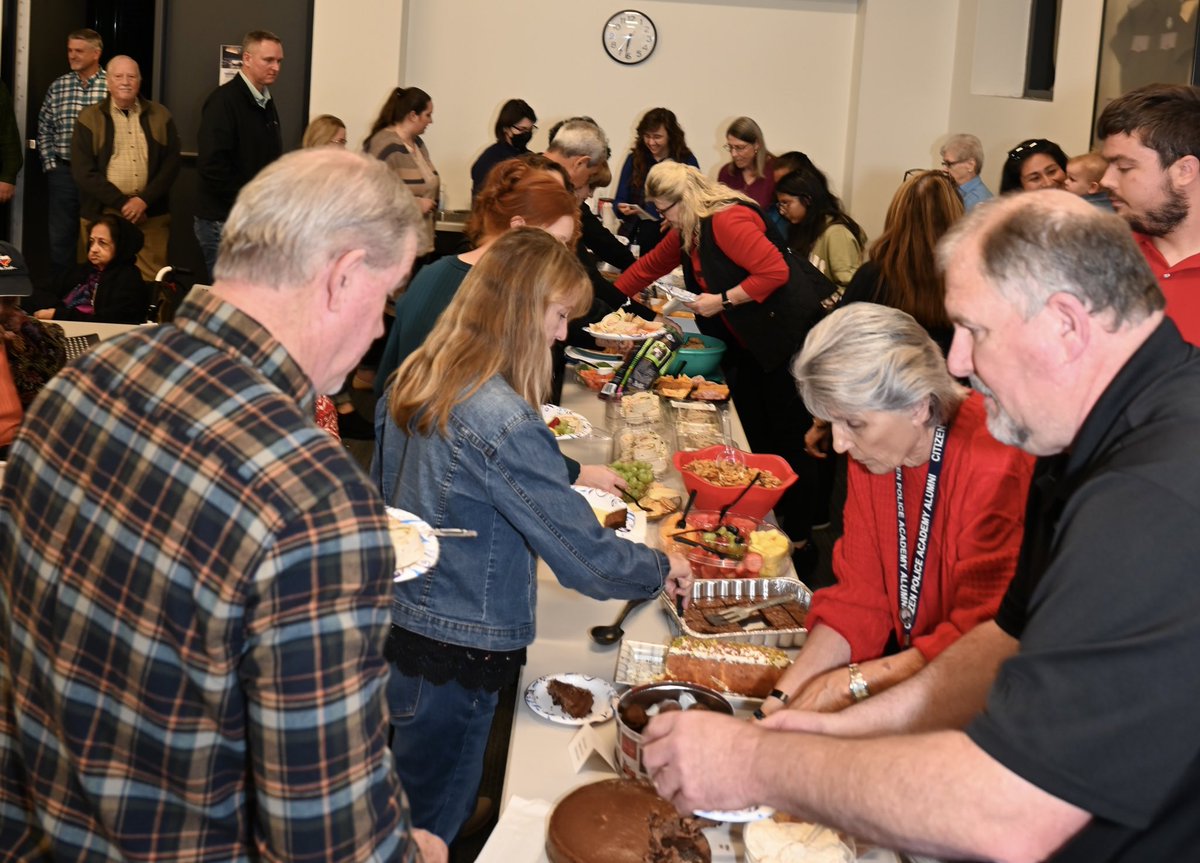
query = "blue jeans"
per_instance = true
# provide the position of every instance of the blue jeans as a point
(439, 737)
(62, 198)
(208, 235)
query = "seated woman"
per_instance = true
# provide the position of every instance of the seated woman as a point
(659, 137)
(461, 443)
(914, 436)
(108, 289)
(820, 230)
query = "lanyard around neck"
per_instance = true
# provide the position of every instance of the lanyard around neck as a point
(910, 580)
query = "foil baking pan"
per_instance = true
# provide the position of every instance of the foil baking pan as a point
(748, 591)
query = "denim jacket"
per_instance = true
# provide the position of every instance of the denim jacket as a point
(498, 471)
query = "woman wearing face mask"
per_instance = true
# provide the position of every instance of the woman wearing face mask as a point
(914, 436)
(462, 443)
(659, 137)
(107, 289)
(750, 168)
(1032, 165)
(514, 130)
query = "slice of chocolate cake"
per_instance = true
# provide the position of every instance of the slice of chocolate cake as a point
(575, 701)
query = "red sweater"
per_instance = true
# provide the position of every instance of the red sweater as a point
(974, 540)
(741, 235)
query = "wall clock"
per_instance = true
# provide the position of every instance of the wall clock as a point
(630, 37)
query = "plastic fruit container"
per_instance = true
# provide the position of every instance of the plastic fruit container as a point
(757, 502)
(726, 551)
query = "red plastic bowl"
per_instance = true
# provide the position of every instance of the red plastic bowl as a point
(757, 502)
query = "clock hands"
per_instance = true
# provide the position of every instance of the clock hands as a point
(628, 39)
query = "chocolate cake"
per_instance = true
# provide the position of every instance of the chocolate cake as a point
(575, 701)
(611, 822)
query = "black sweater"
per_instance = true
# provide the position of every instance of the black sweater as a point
(237, 139)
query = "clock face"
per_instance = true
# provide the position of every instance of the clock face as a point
(630, 37)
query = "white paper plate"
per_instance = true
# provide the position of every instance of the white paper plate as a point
(736, 816)
(635, 519)
(583, 428)
(537, 696)
(596, 358)
(429, 546)
(613, 337)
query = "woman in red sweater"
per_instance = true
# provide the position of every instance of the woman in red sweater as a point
(911, 579)
(754, 296)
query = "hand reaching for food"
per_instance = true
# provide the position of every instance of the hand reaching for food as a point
(602, 477)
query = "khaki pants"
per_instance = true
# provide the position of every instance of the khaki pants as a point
(156, 231)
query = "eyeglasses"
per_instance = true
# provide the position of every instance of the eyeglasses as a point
(950, 163)
(341, 142)
(522, 129)
(912, 172)
(662, 211)
(738, 148)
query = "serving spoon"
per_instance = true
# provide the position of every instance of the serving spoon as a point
(607, 635)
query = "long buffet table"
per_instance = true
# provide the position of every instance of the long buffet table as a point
(539, 769)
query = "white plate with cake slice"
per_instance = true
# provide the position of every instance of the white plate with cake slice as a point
(563, 698)
(414, 542)
(606, 506)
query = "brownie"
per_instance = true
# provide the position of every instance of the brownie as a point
(789, 615)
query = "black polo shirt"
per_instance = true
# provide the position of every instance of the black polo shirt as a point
(1101, 705)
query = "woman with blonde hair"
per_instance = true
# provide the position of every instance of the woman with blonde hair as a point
(323, 130)
(756, 297)
(750, 168)
(902, 271)
(462, 443)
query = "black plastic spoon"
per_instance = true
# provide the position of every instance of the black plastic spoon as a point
(741, 494)
(607, 635)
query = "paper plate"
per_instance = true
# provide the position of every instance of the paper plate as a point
(583, 428)
(406, 571)
(613, 337)
(537, 697)
(596, 358)
(635, 519)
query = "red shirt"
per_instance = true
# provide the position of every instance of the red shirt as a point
(1180, 285)
(741, 235)
(974, 539)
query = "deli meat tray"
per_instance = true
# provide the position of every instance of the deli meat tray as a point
(747, 591)
(643, 662)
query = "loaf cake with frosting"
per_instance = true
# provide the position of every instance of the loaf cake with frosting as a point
(739, 669)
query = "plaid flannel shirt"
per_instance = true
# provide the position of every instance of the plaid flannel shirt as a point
(64, 100)
(194, 604)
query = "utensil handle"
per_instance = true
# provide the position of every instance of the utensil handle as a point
(741, 495)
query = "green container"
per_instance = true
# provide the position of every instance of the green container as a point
(704, 361)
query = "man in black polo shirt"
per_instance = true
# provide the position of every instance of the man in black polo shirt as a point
(1064, 729)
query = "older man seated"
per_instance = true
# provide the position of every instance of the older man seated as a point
(962, 159)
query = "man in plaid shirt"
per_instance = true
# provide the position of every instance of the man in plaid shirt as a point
(196, 578)
(84, 85)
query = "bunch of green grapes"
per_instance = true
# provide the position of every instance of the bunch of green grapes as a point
(637, 475)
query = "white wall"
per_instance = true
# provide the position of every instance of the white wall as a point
(356, 56)
(905, 62)
(786, 63)
(1002, 123)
